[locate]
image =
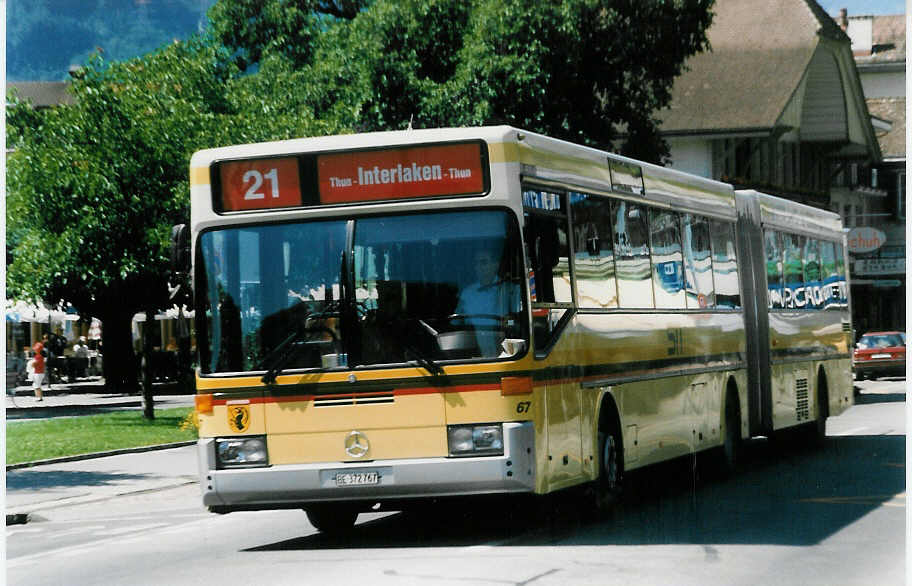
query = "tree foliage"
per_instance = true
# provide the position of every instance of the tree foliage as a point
(95, 187)
(589, 71)
(287, 27)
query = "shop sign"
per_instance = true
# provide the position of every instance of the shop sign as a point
(865, 239)
(880, 266)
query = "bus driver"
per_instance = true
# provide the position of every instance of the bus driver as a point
(485, 303)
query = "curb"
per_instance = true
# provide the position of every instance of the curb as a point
(25, 518)
(99, 455)
(36, 411)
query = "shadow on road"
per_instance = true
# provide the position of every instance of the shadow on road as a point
(28, 479)
(783, 496)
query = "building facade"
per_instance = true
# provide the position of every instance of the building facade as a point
(778, 105)
(877, 244)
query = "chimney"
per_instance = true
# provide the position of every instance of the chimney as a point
(843, 21)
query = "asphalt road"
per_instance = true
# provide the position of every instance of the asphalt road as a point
(834, 515)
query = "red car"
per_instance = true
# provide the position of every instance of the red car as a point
(880, 354)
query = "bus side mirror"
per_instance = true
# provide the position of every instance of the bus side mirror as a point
(180, 249)
(179, 286)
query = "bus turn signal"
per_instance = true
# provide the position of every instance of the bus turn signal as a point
(515, 385)
(203, 403)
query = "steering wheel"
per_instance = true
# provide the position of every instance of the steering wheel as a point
(464, 317)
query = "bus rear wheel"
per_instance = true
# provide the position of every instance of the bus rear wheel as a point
(332, 519)
(732, 446)
(608, 486)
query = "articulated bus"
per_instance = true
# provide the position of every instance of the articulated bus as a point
(394, 318)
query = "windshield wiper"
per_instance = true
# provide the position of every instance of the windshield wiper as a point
(281, 354)
(285, 351)
(421, 356)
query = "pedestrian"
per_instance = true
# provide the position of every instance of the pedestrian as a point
(80, 358)
(39, 367)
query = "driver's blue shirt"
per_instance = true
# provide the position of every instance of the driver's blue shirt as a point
(485, 305)
(498, 298)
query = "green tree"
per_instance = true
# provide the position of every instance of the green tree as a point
(590, 71)
(251, 28)
(94, 188)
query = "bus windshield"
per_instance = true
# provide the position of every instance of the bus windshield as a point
(373, 291)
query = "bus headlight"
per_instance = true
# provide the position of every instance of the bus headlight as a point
(241, 452)
(475, 440)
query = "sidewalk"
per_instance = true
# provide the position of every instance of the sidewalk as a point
(62, 484)
(92, 477)
(86, 397)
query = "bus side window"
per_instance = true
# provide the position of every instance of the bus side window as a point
(725, 265)
(593, 252)
(547, 240)
(793, 271)
(698, 264)
(841, 272)
(812, 277)
(667, 259)
(631, 249)
(773, 250)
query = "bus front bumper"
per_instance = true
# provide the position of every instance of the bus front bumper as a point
(288, 486)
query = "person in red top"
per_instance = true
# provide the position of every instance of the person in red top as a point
(39, 368)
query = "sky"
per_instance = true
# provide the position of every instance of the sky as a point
(864, 7)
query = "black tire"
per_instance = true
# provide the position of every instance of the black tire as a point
(818, 427)
(609, 485)
(332, 519)
(732, 446)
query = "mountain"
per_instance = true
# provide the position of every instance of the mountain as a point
(45, 37)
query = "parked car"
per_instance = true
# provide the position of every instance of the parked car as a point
(880, 354)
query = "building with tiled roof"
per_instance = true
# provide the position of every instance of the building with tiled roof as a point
(778, 105)
(41, 94)
(774, 105)
(879, 47)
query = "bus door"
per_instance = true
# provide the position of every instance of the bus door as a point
(562, 412)
(547, 240)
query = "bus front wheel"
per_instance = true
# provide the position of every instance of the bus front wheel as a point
(332, 520)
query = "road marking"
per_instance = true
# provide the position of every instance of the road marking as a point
(133, 529)
(886, 500)
(77, 530)
(11, 532)
(69, 550)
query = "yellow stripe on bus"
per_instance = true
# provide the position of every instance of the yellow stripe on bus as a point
(199, 176)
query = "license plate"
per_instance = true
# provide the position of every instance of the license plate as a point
(357, 478)
(875, 356)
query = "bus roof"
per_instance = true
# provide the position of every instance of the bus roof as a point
(540, 158)
(788, 215)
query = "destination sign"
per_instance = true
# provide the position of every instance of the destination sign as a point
(315, 179)
(401, 173)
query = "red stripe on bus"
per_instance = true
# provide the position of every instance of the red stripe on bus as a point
(396, 392)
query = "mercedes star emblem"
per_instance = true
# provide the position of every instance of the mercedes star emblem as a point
(356, 444)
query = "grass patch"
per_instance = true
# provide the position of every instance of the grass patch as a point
(27, 441)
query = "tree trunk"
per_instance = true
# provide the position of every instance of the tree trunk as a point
(118, 358)
(148, 401)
